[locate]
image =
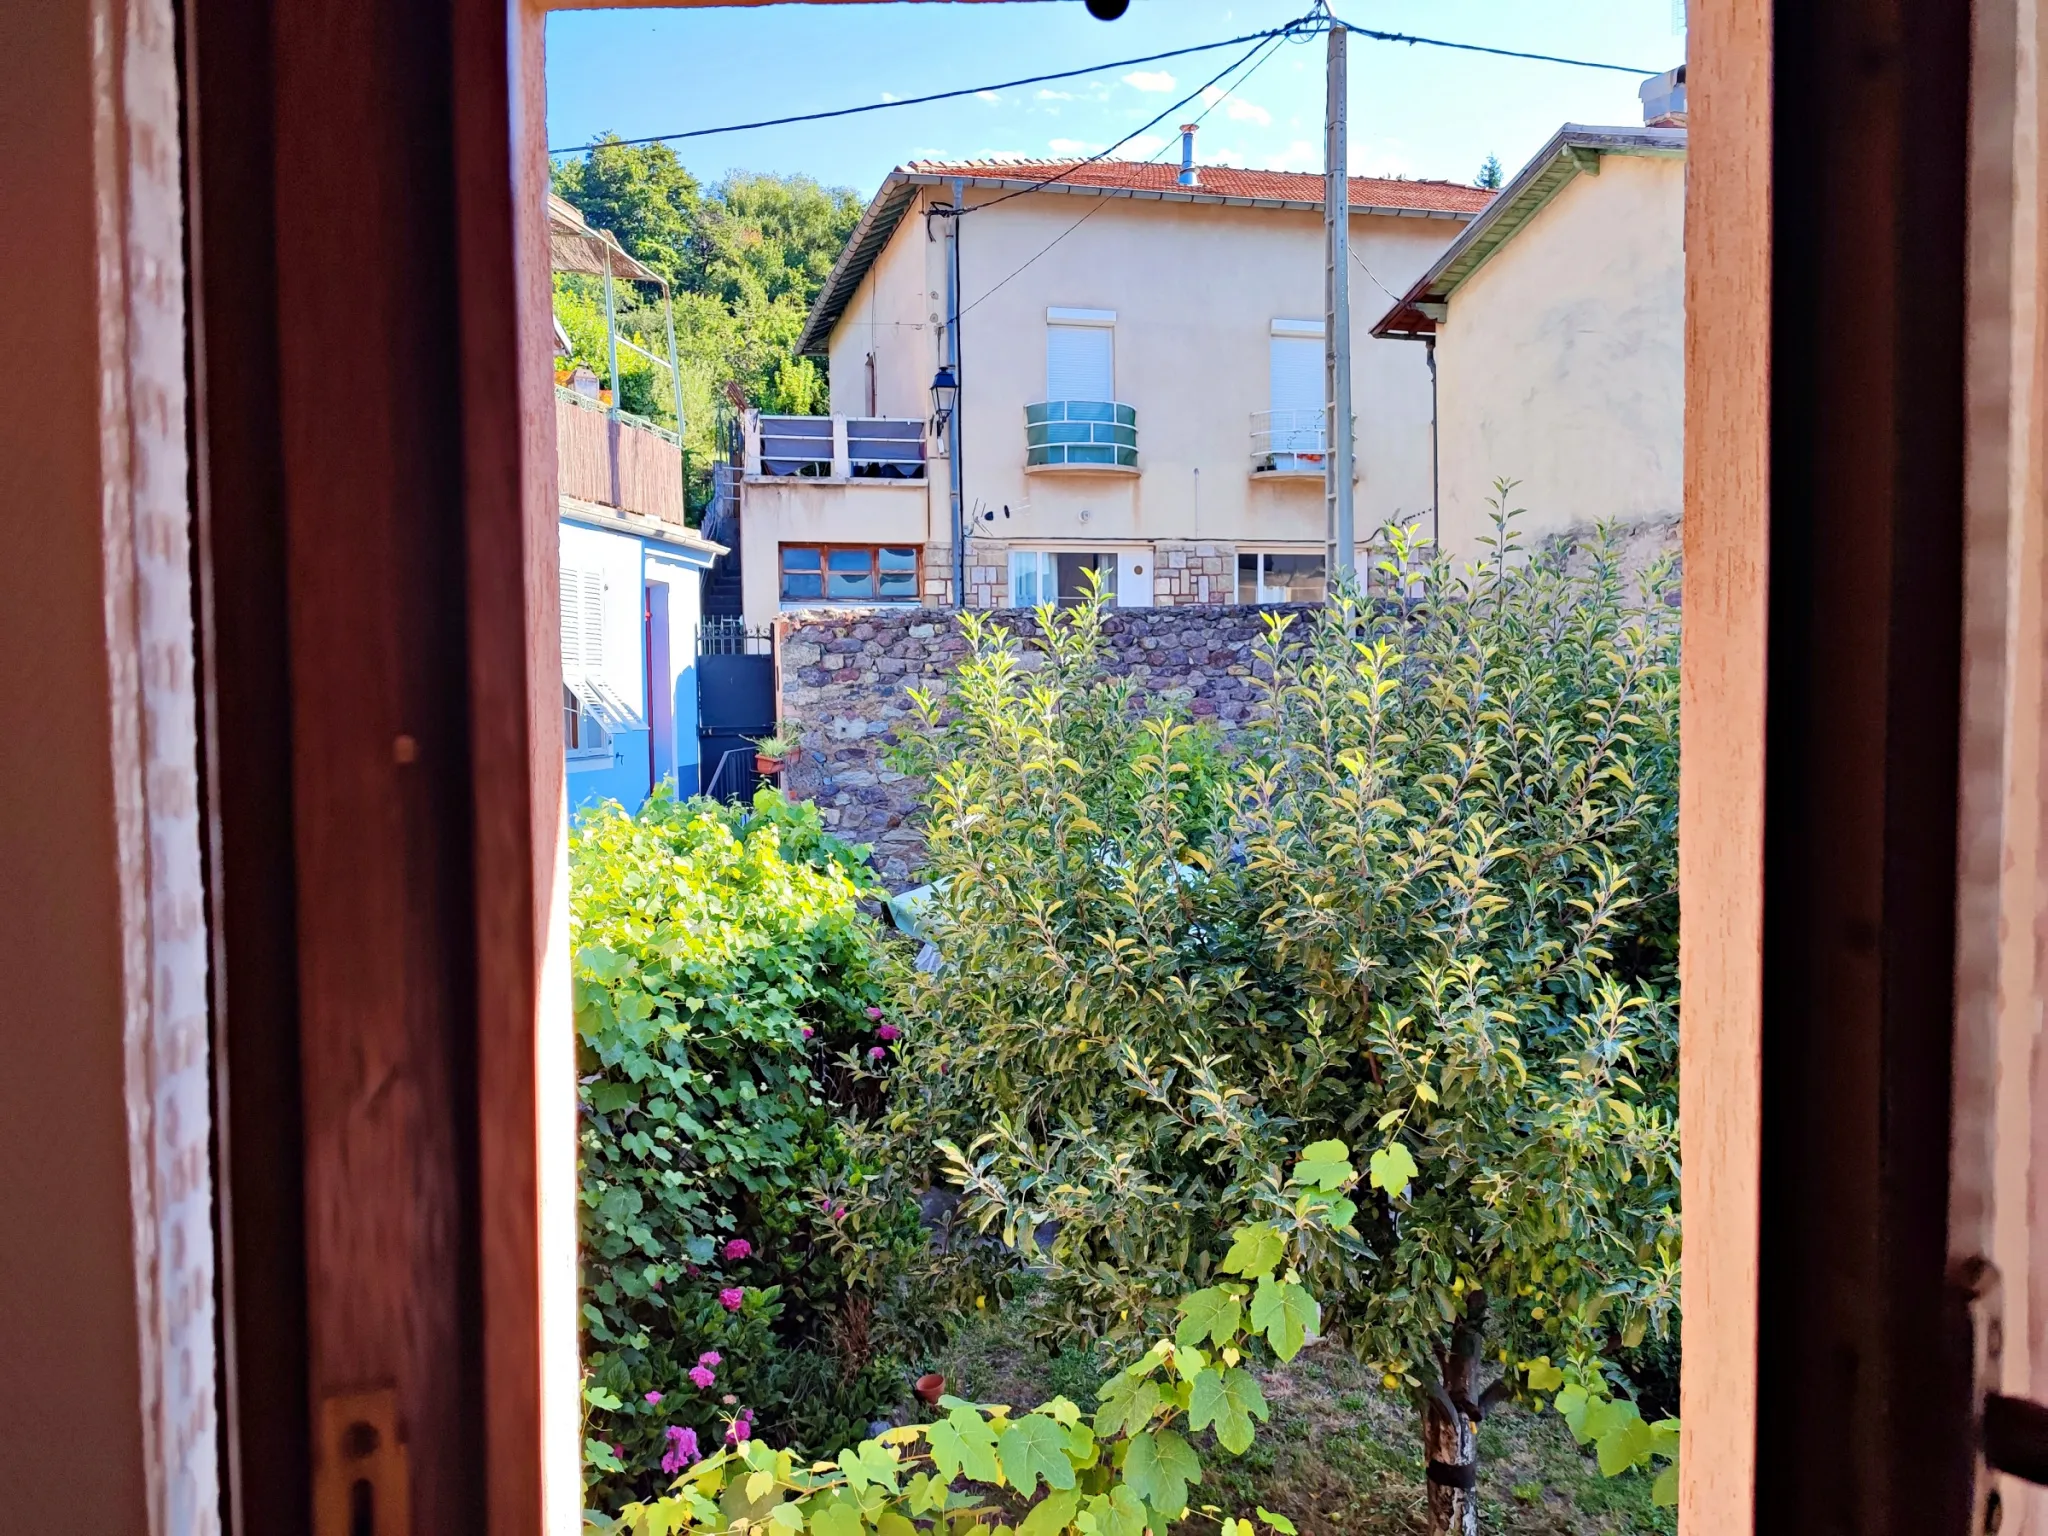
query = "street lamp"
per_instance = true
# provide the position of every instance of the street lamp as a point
(945, 396)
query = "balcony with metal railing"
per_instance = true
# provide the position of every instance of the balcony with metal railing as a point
(1081, 435)
(1290, 444)
(844, 448)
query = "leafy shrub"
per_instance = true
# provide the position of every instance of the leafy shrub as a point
(1131, 1468)
(724, 979)
(1439, 915)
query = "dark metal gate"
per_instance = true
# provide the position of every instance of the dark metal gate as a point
(735, 704)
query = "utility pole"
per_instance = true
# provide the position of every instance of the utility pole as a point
(1340, 555)
(953, 423)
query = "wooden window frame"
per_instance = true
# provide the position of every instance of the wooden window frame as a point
(873, 551)
(384, 773)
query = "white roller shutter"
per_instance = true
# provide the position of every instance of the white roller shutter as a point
(1080, 362)
(1297, 373)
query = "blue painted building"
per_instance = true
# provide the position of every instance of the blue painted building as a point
(630, 611)
(632, 571)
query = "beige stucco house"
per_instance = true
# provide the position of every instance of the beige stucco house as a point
(1140, 388)
(1557, 319)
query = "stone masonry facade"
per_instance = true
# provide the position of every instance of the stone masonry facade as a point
(1183, 572)
(846, 676)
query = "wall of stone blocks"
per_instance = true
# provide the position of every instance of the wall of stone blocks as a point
(846, 676)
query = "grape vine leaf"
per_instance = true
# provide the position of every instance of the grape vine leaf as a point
(1286, 1314)
(963, 1442)
(1211, 1314)
(1324, 1165)
(1053, 1514)
(1255, 1250)
(1230, 1400)
(1393, 1169)
(1035, 1447)
(1159, 1468)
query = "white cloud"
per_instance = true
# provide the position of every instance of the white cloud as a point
(1149, 80)
(1387, 157)
(1143, 147)
(987, 96)
(888, 96)
(1071, 147)
(1301, 155)
(1045, 95)
(1236, 108)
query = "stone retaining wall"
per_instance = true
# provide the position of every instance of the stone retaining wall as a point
(845, 675)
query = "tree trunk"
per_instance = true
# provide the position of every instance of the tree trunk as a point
(1450, 1428)
(1452, 1448)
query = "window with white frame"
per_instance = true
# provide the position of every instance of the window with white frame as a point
(582, 657)
(1080, 354)
(1264, 577)
(1058, 576)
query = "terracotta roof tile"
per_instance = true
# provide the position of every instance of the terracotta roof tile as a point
(1218, 181)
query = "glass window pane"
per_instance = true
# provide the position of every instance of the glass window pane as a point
(899, 559)
(899, 586)
(799, 585)
(1294, 578)
(794, 559)
(850, 574)
(1032, 576)
(1247, 578)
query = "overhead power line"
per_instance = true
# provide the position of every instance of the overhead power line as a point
(1271, 48)
(918, 101)
(1372, 33)
(1501, 53)
(1270, 42)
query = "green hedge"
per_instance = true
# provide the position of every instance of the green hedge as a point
(725, 990)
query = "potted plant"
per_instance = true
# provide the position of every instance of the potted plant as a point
(771, 752)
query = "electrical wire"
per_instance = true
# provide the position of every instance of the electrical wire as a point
(1274, 40)
(1153, 158)
(1368, 271)
(1502, 53)
(1319, 19)
(918, 101)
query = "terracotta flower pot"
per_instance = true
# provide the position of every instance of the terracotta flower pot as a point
(930, 1389)
(763, 763)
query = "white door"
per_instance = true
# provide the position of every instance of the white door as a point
(1133, 578)
(1080, 362)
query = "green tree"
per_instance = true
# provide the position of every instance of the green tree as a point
(747, 258)
(1489, 175)
(1438, 918)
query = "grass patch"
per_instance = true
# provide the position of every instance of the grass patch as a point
(1342, 1456)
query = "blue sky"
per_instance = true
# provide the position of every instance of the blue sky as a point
(1414, 111)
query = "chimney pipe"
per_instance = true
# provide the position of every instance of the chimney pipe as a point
(1664, 99)
(1189, 176)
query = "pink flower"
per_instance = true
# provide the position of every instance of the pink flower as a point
(741, 1429)
(877, 1054)
(711, 1357)
(619, 1451)
(732, 1298)
(888, 1032)
(654, 1397)
(738, 1248)
(874, 1013)
(808, 1031)
(682, 1450)
(701, 1374)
